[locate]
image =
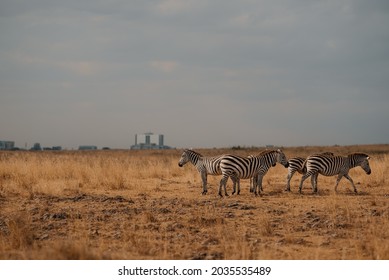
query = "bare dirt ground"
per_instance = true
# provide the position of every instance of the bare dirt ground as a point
(66, 207)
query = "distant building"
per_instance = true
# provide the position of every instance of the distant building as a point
(87, 147)
(149, 141)
(36, 147)
(7, 145)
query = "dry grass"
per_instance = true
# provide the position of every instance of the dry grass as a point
(141, 205)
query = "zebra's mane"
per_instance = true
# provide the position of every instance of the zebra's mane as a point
(358, 154)
(265, 152)
(193, 152)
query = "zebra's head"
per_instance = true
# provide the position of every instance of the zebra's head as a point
(184, 158)
(363, 161)
(189, 156)
(281, 158)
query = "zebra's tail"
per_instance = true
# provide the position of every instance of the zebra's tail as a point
(303, 168)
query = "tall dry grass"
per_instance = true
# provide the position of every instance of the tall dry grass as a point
(141, 205)
(29, 173)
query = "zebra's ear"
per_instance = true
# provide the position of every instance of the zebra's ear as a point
(279, 151)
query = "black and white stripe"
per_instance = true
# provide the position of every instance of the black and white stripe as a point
(296, 164)
(333, 165)
(236, 168)
(204, 165)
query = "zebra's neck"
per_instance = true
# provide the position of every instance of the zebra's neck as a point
(354, 160)
(269, 158)
(194, 157)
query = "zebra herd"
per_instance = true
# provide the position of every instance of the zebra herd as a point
(256, 167)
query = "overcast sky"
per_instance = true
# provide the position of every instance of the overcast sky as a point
(203, 73)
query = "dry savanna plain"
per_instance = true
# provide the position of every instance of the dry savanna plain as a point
(142, 205)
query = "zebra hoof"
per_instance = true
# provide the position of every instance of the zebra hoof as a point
(204, 193)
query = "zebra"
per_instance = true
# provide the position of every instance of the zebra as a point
(236, 168)
(334, 165)
(204, 165)
(297, 164)
(253, 179)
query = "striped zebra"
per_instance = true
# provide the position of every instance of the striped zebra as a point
(296, 164)
(334, 165)
(236, 168)
(253, 180)
(204, 165)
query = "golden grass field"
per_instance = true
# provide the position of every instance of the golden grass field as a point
(141, 205)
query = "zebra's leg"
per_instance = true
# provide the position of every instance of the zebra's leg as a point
(238, 181)
(288, 178)
(253, 186)
(260, 178)
(314, 182)
(340, 176)
(204, 179)
(223, 183)
(352, 182)
(233, 185)
(253, 183)
(225, 188)
(305, 176)
(258, 185)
